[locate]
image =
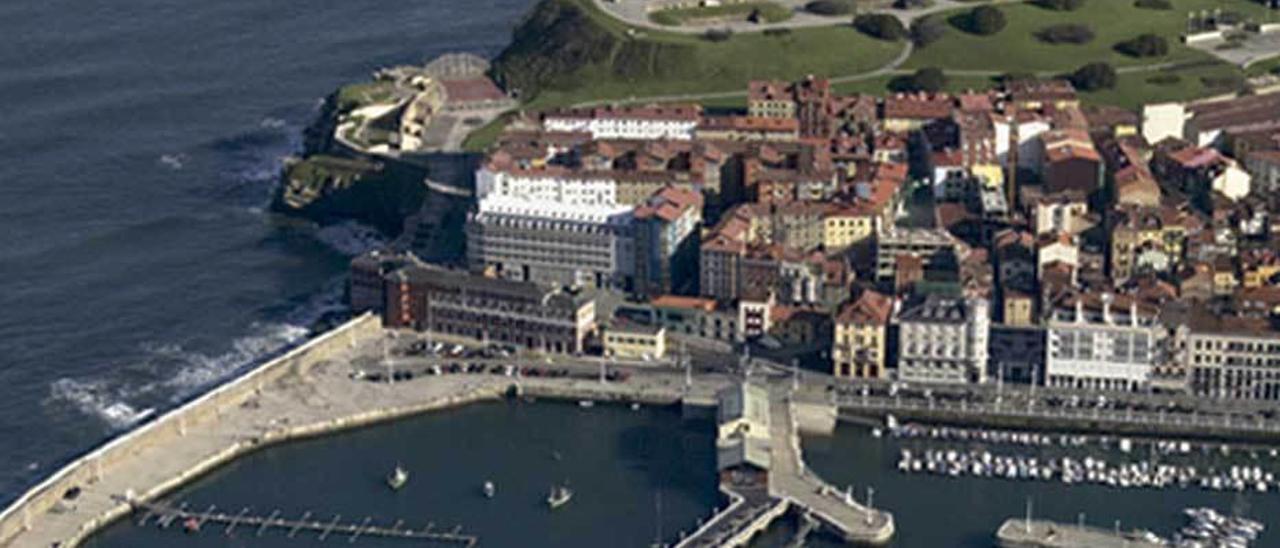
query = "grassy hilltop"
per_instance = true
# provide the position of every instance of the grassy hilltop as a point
(567, 51)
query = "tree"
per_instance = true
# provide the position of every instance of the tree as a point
(718, 35)
(880, 25)
(830, 7)
(1060, 5)
(926, 31)
(929, 79)
(1067, 33)
(1145, 45)
(1094, 76)
(1154, 4)
(985, 20)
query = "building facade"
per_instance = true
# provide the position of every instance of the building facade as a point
(428, 298)
(1098, 344)
(943, 340)
(590, 246)
(1234, 358)
(860, 337)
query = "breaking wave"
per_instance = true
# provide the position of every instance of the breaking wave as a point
(97, 399)
(351, 238)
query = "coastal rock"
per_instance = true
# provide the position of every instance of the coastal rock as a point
(329, 189)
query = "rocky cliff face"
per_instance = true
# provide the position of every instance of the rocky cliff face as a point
(332, 189)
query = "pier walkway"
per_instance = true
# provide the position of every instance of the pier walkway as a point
(1018, 533)
(789, 479)
(786, 484)
(166, 515)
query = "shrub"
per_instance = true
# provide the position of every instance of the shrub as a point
(1145, 45)
(929, 79)
(718, 35)
(665, 18)
(927, 31)
(1094, 76)
(830, 7)
(880, 25)
(1060, 5)
(1066, 33)
(912, 4)
(985, 21)
(1223, 83)
(1275, 70)
(1168, 79)
(1154, 4)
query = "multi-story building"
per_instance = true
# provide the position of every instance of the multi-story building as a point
(1102, 342)
(648, 122)
(1017, 353)
(932, 246)
(943, 340)
(365, 285)
(634, 341)
(1264, 166)
(860, 338)
(1148, 239)
(589, 246)
(666, 242)
(457, 303)
(1231, 357)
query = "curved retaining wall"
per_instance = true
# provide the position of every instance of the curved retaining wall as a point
(87, 469)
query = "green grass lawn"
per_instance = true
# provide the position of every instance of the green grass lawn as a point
(1016, 49)
(770, 12)
(480, 138)
(355, 95)
(705, 66)
(1134, 90)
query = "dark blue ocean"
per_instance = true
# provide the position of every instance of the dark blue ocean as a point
(140, 142)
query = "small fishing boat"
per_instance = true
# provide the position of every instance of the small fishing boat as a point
(489, 489)
(397, 478)
(559, 496)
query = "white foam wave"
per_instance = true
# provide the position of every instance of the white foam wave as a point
(351, 238)
(96, 398)
(272, 123)
(198, 370)
(174, 161)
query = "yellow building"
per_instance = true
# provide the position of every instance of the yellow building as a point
(846, 226)
(859, 337)
(635, 342)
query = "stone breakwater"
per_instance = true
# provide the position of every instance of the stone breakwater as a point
(45, 514)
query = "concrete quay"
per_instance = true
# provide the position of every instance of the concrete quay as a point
(791, 480)
(1019, 533)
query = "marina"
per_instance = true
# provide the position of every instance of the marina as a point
(196, 522)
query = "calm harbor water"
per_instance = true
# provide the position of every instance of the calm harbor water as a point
(141, 142)
(636, 475)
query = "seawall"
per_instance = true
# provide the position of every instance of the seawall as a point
(90, 469)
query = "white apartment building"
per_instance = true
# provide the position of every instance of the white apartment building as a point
(1230, 357)
(652, 122)
(944, 340)
(1095, 345)
(579, 245)
(549, 185)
